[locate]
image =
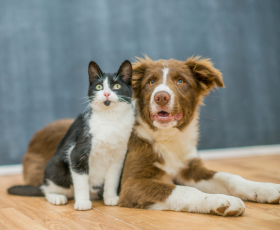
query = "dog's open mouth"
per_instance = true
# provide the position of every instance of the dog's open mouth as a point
(164, 116)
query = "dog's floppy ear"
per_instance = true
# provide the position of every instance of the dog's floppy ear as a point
(139, 69)
(206, 75)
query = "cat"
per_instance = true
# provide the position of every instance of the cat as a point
(92, 153)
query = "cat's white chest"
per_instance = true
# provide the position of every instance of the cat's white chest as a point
(110, 131)
(110, 134)
(98, 165)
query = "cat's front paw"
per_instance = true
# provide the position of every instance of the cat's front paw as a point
(83, 205)
(112, 200)
(57, 199)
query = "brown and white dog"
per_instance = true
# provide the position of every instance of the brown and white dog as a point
(162, 169)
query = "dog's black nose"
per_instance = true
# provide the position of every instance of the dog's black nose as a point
(162, 98)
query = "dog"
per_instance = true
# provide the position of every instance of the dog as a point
(162, 170)
(41, 149)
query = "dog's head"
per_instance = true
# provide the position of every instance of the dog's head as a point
(169, 91)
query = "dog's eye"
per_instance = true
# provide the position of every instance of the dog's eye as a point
(99, 87)
(152, 82)
(117, 86)
(180, 81)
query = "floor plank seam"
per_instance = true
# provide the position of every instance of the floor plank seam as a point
(117, 219)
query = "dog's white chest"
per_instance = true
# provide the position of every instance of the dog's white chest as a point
(173, 160)
(176, 148)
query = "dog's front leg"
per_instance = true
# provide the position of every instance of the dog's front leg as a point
(153, 194)
(184, 198)
(196, 175)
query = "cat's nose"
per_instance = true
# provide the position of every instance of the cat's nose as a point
(107, 95)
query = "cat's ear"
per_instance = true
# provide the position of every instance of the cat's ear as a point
(125, 72)
(93, 71)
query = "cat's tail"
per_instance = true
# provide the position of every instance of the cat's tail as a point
(25, 190)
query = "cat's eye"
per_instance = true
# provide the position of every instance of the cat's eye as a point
(152, 82)
(99, 87)
(117, 86)
(180, 81)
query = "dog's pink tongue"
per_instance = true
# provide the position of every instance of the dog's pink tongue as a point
(179, 116)
(163, 114)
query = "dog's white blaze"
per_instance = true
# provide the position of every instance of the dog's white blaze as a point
(165, 72)
(165, 88)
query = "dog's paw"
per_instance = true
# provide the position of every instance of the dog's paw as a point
(83, 205)
(224, 205)
(57, 199)
(113, 200)
(263, 192)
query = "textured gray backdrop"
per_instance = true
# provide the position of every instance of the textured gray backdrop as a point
(45, 47)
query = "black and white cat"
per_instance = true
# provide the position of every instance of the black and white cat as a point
(92, 152)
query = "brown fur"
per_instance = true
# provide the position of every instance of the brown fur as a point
(196, 171)
(141, 181)
(41, 149)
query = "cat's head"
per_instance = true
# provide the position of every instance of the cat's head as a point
(108, 90)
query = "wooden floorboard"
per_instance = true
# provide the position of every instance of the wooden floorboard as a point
(36, 213)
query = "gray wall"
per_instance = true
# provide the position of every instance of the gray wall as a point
(45, 47)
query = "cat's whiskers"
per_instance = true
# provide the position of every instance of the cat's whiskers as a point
(123, 100)
(85, 102)
(87, 108)
(123, 96)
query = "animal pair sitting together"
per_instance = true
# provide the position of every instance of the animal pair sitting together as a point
(151, 143)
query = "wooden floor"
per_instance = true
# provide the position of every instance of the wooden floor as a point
(36, 213)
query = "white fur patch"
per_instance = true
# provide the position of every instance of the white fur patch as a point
(189, 199)
(165, 73)
(53, 188)
(83, 205)
(56, 199)
(106, 87)
(234, 185)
